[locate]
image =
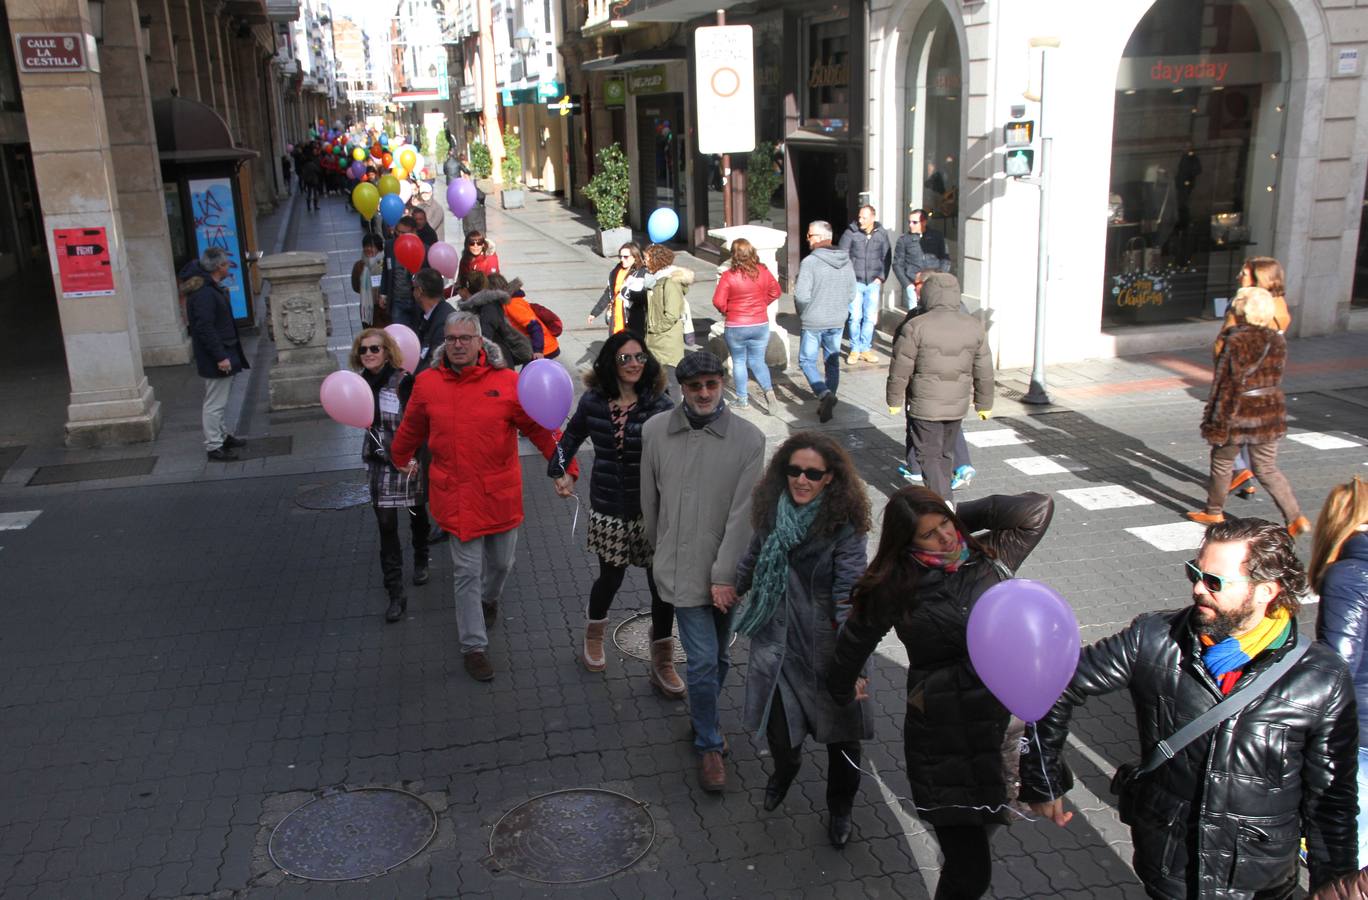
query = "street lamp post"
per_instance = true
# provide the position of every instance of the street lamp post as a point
(1036, 395)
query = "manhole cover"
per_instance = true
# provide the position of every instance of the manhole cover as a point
(566, 837)
(339, 495)
(633, 637)
(352, 834)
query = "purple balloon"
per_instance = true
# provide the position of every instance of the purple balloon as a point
(1023, 641)
(357, 170)
(460, 197)
(545, 392)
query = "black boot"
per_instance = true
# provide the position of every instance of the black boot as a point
(785, 770)
(397, 606)
(421, 575)
(839, 828)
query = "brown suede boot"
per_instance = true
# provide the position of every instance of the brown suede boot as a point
(663, 676)
(592, 654)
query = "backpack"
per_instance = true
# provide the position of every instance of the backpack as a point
(549, 320)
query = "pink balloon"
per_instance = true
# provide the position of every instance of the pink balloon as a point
(546, 392)
(348, 399)
(1023, 641)
(409, 348)
(444, 258)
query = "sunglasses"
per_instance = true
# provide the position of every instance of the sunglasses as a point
(624, 358)
(1213, 583)
(475, 244)
(369, 348)
(810, 474)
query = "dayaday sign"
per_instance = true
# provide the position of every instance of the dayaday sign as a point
(725, 60)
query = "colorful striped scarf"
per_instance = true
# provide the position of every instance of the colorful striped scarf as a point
(947, 561)
(1234, 653)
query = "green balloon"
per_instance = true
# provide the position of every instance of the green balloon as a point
(366, 199)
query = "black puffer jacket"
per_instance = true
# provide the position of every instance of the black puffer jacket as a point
(615, 485)
(1342, 619)
(1242, 795)
(954, 729)
(871, 254)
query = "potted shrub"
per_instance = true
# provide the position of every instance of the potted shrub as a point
(512, 196)
(762, 180)
(481, 166)
(608, 191)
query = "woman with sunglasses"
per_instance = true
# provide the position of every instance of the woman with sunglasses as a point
(624, 389)
(1339, 573)
(623, 301)
(376, 356)
(932, 565)
(478, 256)
(810, 513)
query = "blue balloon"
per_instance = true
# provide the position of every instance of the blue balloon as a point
(391, 209)
(662, 225)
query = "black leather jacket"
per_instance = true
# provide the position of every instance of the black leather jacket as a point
(615, 483)
(1223, 819)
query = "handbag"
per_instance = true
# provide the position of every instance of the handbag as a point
(1128, 774)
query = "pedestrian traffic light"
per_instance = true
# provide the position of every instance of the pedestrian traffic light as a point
(1019, 162)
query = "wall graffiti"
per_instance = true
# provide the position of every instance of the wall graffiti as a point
(211, 204)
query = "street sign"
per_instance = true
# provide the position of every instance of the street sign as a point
(83, 263)
(51, 52)
(565, 106)
(725, 60)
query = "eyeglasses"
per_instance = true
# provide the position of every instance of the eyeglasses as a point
(624, 358)
(813, 237)
(1213, 583)
(627, 256)
(809, 474)
(702, 384)
(466, 339)
(369, 348)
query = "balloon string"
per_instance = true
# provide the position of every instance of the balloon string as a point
(1035, 733)
(575, 520)
(889, 792)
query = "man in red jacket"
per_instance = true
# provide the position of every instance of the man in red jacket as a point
(465, 408)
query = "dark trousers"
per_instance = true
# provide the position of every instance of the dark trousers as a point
(934, 445)
(968, 869)
(391, 553)
(606, 587)
(1263, 459)
(959, 458)
(843, 775)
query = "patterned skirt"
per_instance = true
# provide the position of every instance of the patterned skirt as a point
(621, 542)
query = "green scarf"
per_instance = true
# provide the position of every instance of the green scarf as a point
(769, 581)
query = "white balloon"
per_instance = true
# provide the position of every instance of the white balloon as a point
(405, 190)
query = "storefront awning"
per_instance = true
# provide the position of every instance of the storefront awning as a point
(671, 10)
(417, 96)
(634, 59)
(189, 132)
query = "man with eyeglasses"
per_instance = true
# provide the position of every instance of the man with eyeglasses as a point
(1223, 816)
(826, 282)
(466, 409)
(698, 466)
(918, 251)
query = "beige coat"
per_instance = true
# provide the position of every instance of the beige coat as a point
(696, 499)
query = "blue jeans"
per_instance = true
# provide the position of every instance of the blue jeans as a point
(1363, 807)
(828, 341)
(747, 344)
(864, 312)
(705, 634)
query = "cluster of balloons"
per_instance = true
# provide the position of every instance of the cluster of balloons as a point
(1023, 642)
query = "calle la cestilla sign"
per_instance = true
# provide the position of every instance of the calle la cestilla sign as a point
(51, 52)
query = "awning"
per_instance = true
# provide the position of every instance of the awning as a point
(416, 96)
(634, 59)
(189, 131)
(671, 10)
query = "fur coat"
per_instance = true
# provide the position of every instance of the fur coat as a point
(1246, 405)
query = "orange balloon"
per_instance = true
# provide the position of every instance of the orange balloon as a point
(387, 160)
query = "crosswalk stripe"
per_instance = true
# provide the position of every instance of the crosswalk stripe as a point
(1171, 536)
(1105, 496)
(14, 521)
(1320, 441)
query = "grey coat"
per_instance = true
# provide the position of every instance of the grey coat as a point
(794, 649)
(826, 285)
(943, 354)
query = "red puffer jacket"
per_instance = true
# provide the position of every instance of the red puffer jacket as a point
(743, 299)
(470, 422)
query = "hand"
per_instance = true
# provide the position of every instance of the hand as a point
(225, 366)
(895, 410)
(861, 688)
(412, 468)
(1054, 811)
(539, 356)
(984, 414)
(382, 303)
(877, 281)
(723, 597)
(565, 486)
(592, 320)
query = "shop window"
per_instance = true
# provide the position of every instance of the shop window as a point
(1197, 136)
(827, 82)
(933, 110)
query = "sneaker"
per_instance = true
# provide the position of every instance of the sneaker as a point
(853, 358)
(222, 454)
(740, 403)
(230, 442)
(963, 475)
(911, 477)
(712, 771)
(826, 403)
(477, 666)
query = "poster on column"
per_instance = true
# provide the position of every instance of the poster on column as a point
(83, 262)
(211, 203)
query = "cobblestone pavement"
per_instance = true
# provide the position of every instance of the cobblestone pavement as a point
(186, 659)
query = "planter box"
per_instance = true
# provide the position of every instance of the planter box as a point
(485, 185)
(612, 239)
(512, 198)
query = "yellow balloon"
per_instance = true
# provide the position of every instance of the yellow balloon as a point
(359, 155)
(407, 158)
(399, 173)
(388, 184)
(366, 199)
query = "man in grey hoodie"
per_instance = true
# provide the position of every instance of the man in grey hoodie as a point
(826, 282)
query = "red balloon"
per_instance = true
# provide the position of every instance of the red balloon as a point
(408, 250)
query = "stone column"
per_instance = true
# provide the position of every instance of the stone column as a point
(299, 320)
(111, 401)
(142, 206)
(202, 32)
(162, 77)
(183, 29)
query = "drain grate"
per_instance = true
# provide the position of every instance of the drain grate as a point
(349, 834)
(339, 495)
(633, 637)
(572, 836)
(94, 471)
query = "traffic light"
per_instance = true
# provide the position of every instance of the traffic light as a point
(1019, 162)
